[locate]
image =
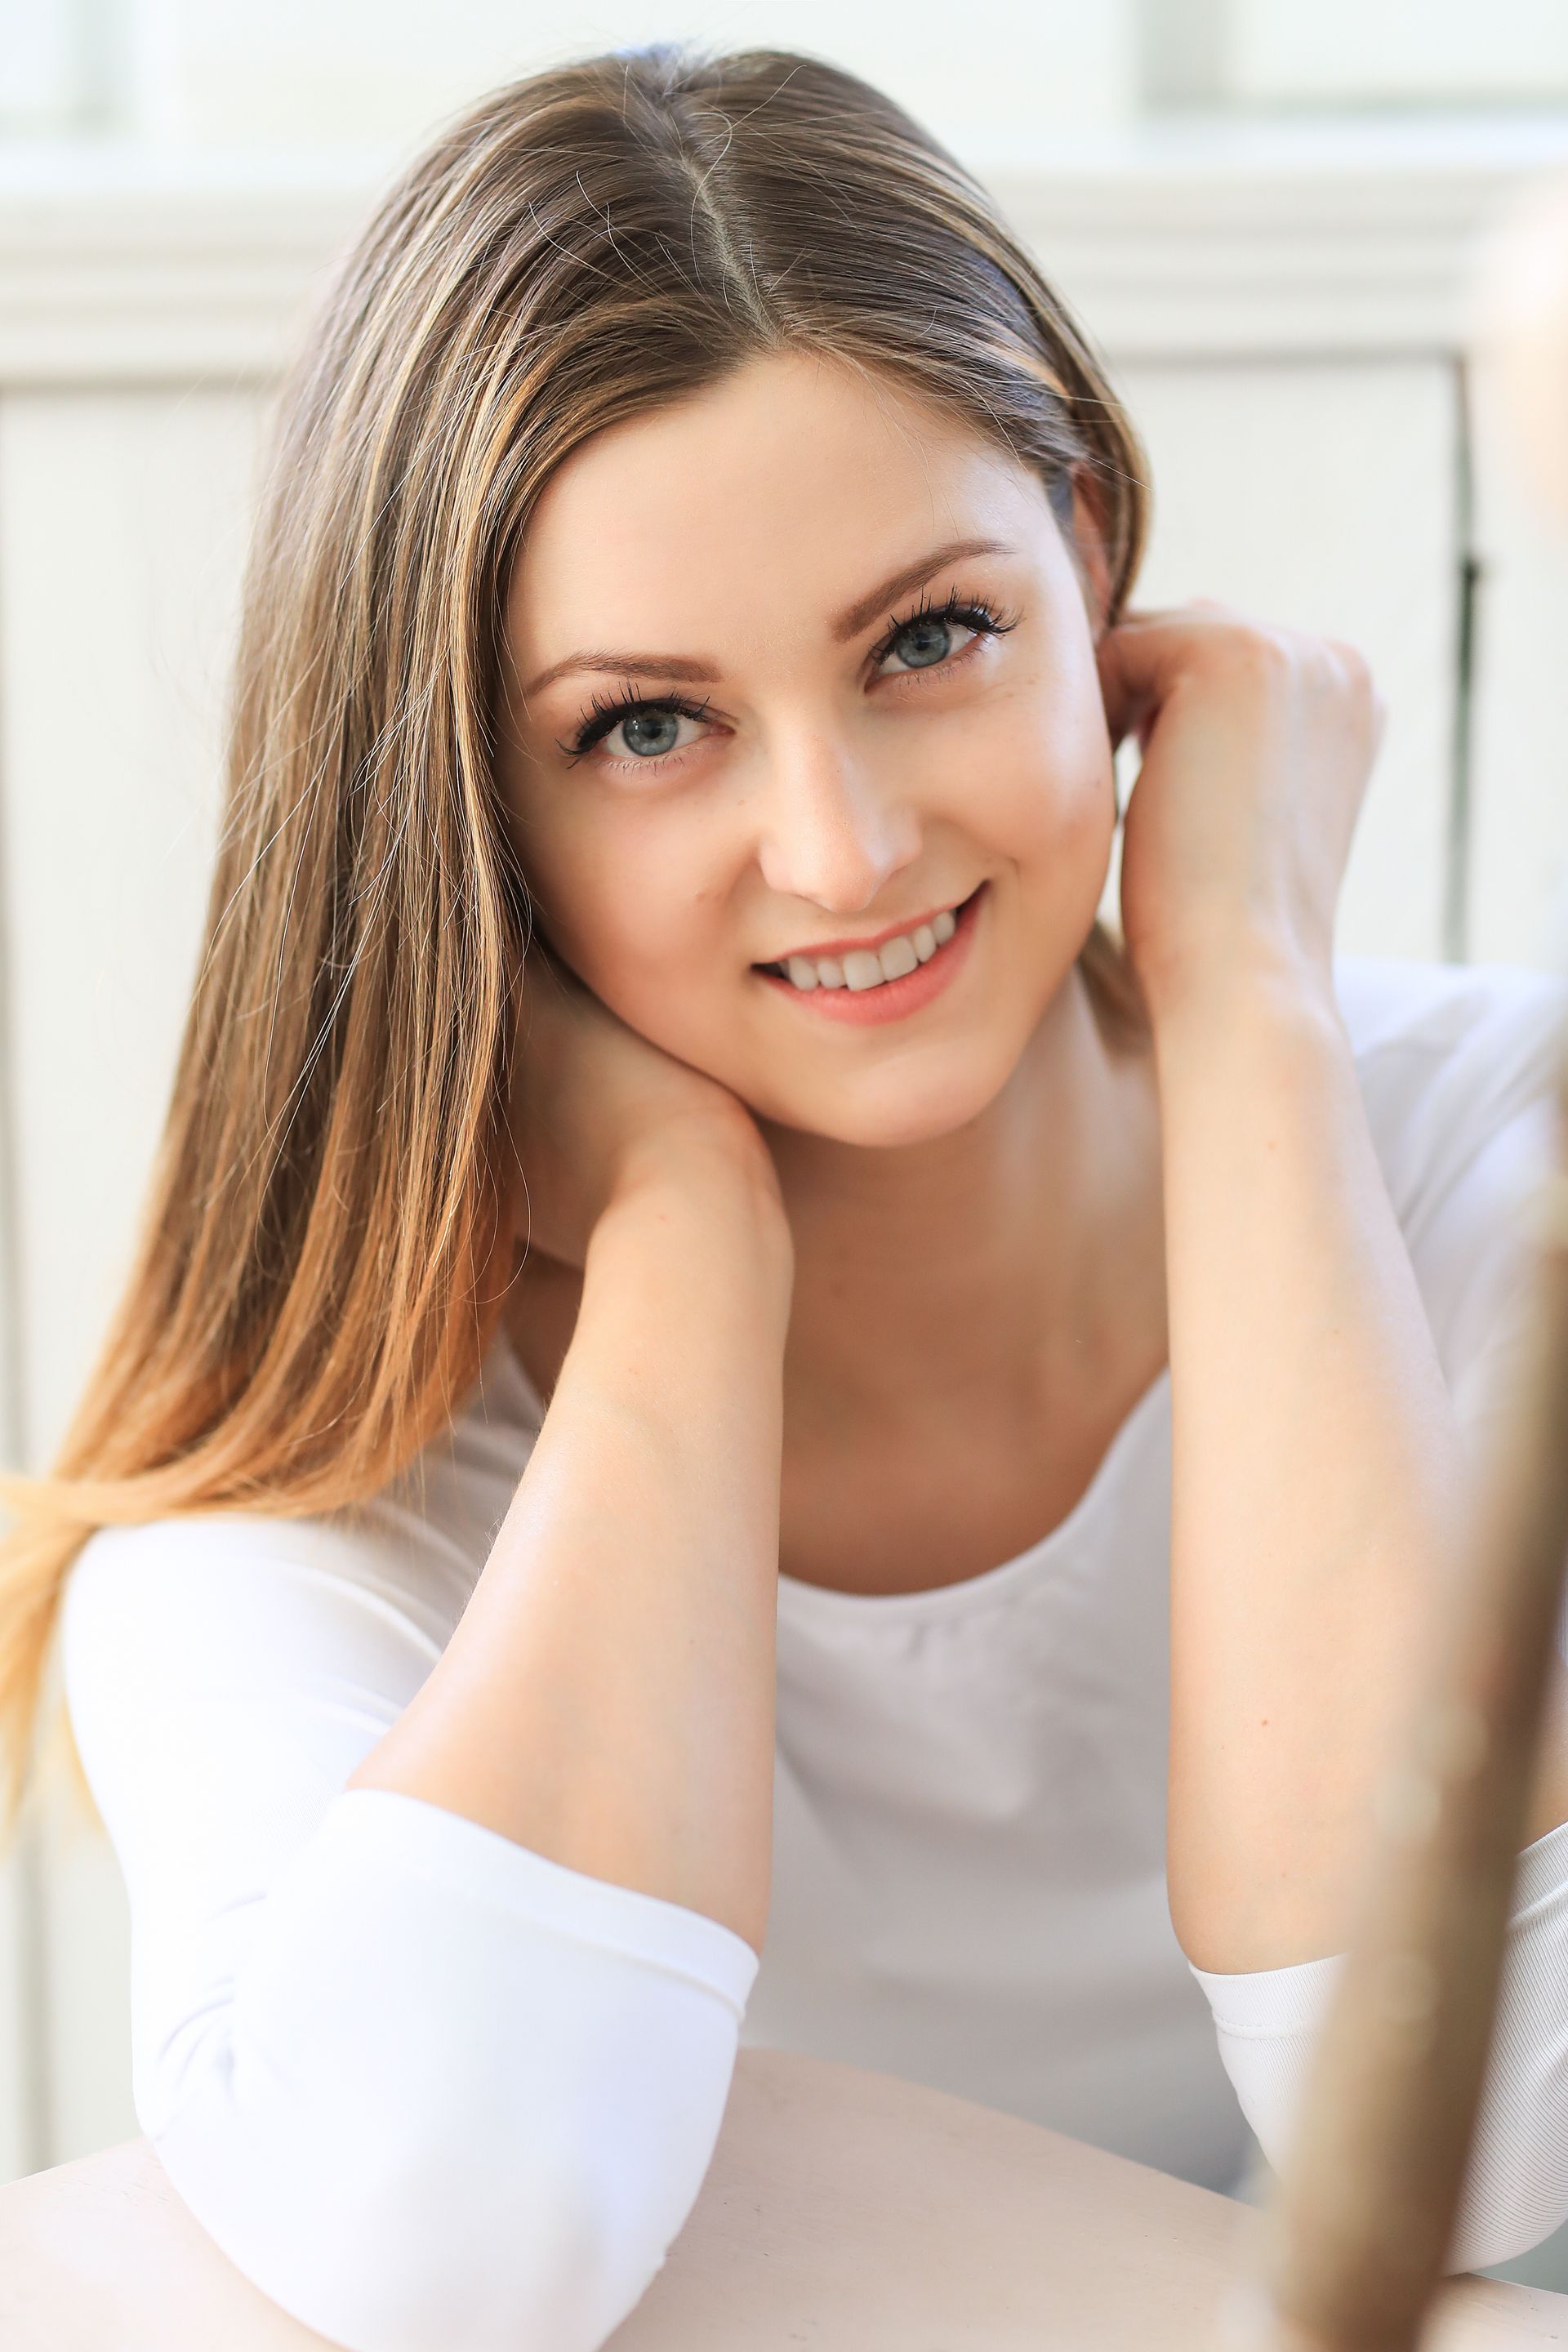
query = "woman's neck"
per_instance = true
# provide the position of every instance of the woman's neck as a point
(1009, 1262)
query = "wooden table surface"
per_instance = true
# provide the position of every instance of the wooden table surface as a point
(845, 2212)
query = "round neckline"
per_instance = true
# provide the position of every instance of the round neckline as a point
(828, 1603)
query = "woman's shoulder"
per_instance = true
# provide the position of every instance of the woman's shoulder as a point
(1450, 1057)
(1408, 1004)
(1458, 1065)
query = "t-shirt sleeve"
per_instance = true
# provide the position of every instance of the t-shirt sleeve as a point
(1516, 2183)
(1458, 1066)
(427, 2088)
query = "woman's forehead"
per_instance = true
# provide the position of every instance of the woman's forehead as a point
(781, 492)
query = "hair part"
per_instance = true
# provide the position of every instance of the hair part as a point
(325, 1243)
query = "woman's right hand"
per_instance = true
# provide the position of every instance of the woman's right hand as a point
(596, 1106)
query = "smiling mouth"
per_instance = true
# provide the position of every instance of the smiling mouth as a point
(865, 968)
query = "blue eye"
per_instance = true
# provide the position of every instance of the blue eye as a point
(920, 643)
(649, 733)
(923, 639)
(649, 729)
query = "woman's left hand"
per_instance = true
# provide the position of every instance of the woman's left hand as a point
(1258, 745)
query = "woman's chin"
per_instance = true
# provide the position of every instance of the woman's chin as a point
(889, 1115)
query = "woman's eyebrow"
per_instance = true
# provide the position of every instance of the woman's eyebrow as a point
(848, 623)
(680, 666)
(864, 609)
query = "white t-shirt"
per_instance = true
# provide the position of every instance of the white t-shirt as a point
(436, 2093)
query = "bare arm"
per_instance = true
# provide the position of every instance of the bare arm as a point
(1319, 1480)
(1315, 1475)
(607, 1698)
(1318, 1469)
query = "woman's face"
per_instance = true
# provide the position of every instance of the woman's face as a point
(799, 669)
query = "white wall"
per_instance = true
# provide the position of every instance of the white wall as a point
(308, 73)
(1279, 52)
(305, 73)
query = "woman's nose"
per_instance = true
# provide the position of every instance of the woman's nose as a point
(833, 832)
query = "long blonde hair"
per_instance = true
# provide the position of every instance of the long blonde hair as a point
(325, 1246)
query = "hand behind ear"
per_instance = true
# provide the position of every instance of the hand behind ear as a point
(1258, 745)
(594, 1102)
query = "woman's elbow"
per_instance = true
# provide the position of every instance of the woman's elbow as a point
(1515, 2191)
(1514, 2198)
(535, 2252)
(425, 2252)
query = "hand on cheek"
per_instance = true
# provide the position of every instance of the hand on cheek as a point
(595, 1106)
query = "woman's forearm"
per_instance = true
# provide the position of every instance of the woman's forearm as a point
(607, 1696)
(1315, 1476)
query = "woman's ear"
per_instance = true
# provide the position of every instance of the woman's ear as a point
(1087, 545)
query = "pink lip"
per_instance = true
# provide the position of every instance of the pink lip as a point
(894, 999)
(878, 938)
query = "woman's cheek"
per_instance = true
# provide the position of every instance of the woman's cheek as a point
(1056, 812)
(650, 961)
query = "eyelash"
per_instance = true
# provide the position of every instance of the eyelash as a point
(604, 714)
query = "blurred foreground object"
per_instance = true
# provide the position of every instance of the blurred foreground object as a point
(1519, 339)
(1367, 2205)
(1357, 2236)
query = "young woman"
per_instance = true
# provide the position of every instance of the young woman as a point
(734, 1423)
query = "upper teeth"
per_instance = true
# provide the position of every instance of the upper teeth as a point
(867, 967)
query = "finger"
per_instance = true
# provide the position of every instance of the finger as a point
(1128, 683)
(1141, 657)
(1120, 714)
(1206, 605)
